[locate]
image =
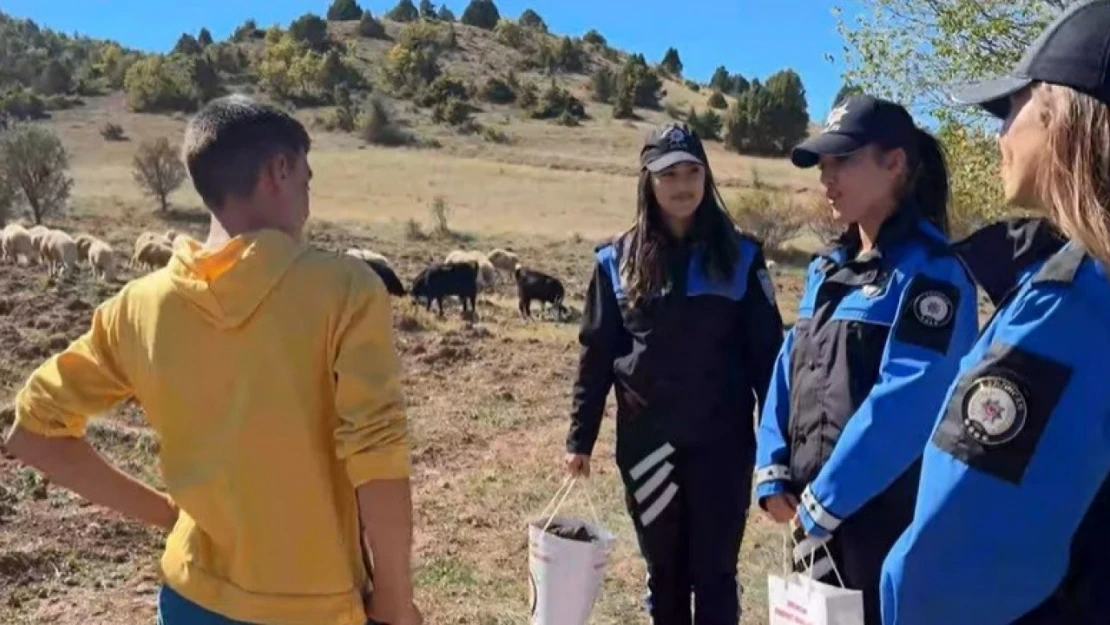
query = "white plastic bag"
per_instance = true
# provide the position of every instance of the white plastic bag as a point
(565, 573)
(798, 599)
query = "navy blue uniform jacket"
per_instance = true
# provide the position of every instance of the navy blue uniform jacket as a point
(1011, 523)
(860, 377)
(693, 360)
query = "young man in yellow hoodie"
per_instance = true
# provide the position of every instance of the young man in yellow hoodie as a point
(269, 372)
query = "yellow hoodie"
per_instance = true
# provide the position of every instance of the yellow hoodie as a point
(268, 370)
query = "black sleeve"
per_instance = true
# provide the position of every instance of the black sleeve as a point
(762, 327)
(599, 336)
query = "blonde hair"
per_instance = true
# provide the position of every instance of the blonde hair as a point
(1074, 182)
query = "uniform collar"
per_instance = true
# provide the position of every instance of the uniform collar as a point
(1000, 255)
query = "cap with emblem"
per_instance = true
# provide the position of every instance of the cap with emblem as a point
(1073, 51)
(670, 144)
(854, 123)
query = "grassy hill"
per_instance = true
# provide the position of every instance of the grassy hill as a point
(487, 400)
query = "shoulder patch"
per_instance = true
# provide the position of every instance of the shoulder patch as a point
(927, 317)
(999, 410)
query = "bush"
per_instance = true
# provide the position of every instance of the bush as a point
(481, 13)
(405, 11)
(427, 10)
(693, 86)
(376, 126)
(158, 170)
(112, 132)
(671, 62)
(498, 91)
(707, 125)
(310, 30)
(427, 35)
(756, 213)
(570, 56)
(718, 101)
(603, 85)
(527, 96)
(639, 83)
(441, 90)
(511, 34)
(157, 84)
(595, 38)
(445, 14)
(35, 164)
(556, 102)
(370, 27)
(623, 104)
(22, 104)
(204, 38)
(344, 11)
(408, 70)
(452, 111)
(531, 19)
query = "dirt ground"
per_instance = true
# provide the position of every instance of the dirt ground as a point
(487, 401)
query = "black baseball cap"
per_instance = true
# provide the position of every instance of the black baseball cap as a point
(855, 122)
(1073, 51)
(669, 144)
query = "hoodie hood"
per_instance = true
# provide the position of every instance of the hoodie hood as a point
(226, 285)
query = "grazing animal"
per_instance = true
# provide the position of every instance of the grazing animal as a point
(504, 260)
(59, 250)
(392, 282)
(536, 285)
(487, 273)
(15, 243)
(366, 255)
(443, 280)
(102, 260)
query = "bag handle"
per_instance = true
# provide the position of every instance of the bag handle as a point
(788, 549)
(567, 486)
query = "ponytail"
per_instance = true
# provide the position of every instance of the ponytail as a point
(927, 183)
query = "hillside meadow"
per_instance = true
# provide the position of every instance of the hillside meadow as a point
(488, 400)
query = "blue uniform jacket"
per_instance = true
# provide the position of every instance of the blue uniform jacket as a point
(693, 360)
(864, 371)
(1009, 496)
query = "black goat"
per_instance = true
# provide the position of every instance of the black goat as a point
(536, 285)
(392, 282)
(443, 280)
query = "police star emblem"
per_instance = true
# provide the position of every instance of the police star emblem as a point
(995, 410)
(832, 122)
(933, 309)
(676, 138)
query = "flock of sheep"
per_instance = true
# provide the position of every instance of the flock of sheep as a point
(61, 252)
(462, 274)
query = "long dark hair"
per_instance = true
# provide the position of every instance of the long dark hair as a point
(926, 183)
(643, 263)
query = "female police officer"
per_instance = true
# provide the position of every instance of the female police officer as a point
(884, 318)
(1011, 516)
(680, 316)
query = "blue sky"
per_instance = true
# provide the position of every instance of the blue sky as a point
(752, 37)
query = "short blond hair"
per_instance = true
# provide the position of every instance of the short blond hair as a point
(1075, 179)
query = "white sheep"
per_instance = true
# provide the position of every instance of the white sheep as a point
(487, 274)
(37, 233)
(15, 243)
(504, 260)
(84, 242)
(59, 250)
(102, 260)
(167, 239)
(152, 254)
(367, 255)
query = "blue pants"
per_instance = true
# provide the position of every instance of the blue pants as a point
(173, 609)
